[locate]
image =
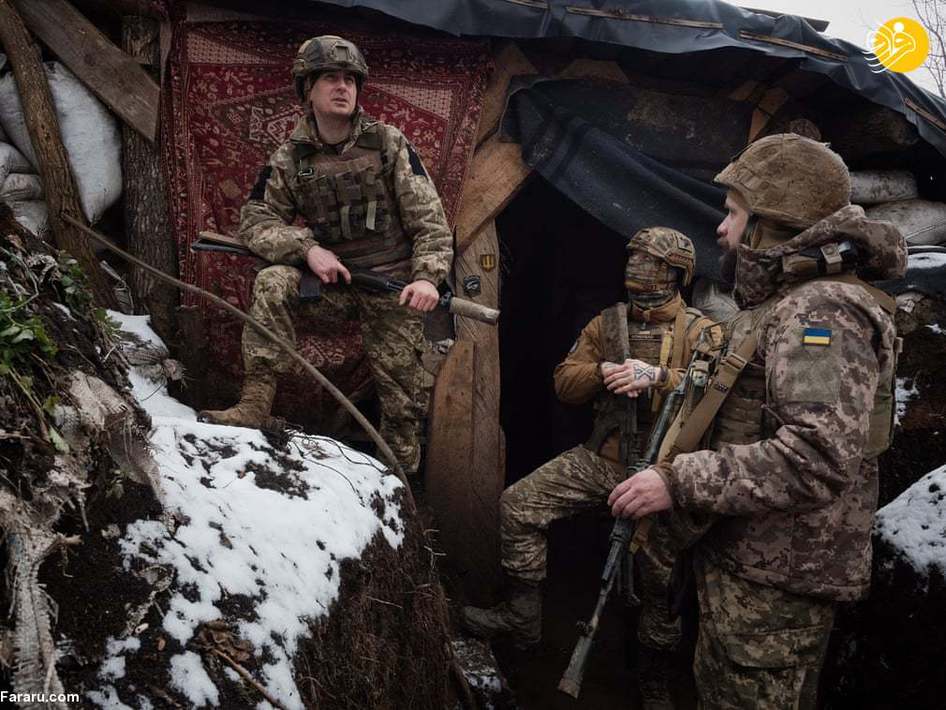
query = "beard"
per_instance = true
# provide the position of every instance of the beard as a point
(727, 269)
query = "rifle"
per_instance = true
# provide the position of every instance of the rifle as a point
(310, 286)
(621, 542)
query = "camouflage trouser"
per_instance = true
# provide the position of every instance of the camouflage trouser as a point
(393, 337)
(655, 562)
(578, 480)
(759, 647)
(573, 481)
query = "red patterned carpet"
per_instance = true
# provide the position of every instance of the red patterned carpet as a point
(228, 103)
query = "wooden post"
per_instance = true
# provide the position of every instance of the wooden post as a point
(39, 111)
(147, 222)
(466, 459)
(113, 76)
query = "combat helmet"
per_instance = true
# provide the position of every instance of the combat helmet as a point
(327, 53)
(670, 246)
(789, 179)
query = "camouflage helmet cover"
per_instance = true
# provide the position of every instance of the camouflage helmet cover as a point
(327, 53)
(790, 179)
(670, 246)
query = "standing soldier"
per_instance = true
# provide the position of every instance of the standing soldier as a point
(661, 332)
(367, 202)
(792, 459)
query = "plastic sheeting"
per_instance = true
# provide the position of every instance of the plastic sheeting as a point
(586, 142)
(676, 27)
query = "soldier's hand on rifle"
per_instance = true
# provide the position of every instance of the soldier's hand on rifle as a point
(421, 295)
(630, 377)
(326, 265)
(643, 493)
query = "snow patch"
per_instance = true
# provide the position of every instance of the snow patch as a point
(188, 676)
(915, 523)
(266, 524)
(904, 395)
(926, 261)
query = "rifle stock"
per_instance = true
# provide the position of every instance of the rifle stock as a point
(310, 287)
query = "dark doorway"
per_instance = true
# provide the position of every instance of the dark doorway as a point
(561, 267)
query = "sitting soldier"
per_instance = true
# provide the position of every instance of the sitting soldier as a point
(367, 202)
(661, 333)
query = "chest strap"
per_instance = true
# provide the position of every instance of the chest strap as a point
(728, 371)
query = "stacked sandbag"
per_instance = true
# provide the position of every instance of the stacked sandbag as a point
(892, 196)
(21, 188)
(89, 133)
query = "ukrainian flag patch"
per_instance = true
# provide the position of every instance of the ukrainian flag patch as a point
(816, 336)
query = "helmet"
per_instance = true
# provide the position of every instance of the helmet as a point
(790, 179)
(327, 53)
(668, 245)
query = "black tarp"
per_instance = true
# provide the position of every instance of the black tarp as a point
(587, 141)
(677, 27)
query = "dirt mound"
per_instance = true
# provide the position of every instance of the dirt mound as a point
(887, 650)
(187, 564)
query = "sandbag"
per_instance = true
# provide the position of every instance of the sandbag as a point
(32, 214)
(713, 300)
(89, 133)
(12, 161)
(922, 222)
(872, 187)
(19, 186)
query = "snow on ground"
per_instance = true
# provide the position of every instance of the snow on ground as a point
(904, 395)
(270, 525)
(915, 522)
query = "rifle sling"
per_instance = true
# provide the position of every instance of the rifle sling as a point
(730, 367)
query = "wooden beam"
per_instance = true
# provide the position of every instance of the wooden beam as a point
(131, 8)
(486, 477)
(52, 162)
(468, 530)
(594, 69)
(112, 75)
(496, 175)
(767, 107)
(509, 61)
(147, 217)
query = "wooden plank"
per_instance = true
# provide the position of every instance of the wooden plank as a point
(767, 107)
(450, 484)
(487, 473)
(509, 62)
(496, 175)
(594, 69)
(52, 162)
(112, 75)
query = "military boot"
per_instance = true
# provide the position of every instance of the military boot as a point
(517, 619)
(253, 409)
(655, 668)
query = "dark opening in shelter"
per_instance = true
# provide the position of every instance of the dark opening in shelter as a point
(560, 268)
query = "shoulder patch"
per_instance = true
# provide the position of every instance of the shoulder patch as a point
(816, 336)
(259, 188)
(370, 138)
(417, 167)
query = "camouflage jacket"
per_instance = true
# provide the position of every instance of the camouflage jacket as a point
(578, 377)
(798, 504)
(415, 238)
